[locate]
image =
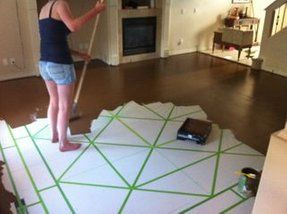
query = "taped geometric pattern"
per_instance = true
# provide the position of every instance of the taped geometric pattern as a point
(130, 162)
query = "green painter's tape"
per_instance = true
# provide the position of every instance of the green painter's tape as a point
(71, 165)
(34, 204)
(194, 112)
(120, 145)
(94, 185)
(190, 150)
(208, 199)
(145, 162)
(47, 188)
(242, 154)
(8, 147)
(40, 130)
(173, 192)
(110, 164)
(236, 193)
(133, 131)
(50, 171)
(138, 118)
(166, 143)
(90, 144)
(130, 188)
(217, 164)
(21, 207)
(113, 117)
(233, 206)
(28, 172)
(176, 170)
(232, 147)
(157, 114)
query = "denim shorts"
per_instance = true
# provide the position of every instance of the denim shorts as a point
(61, 74)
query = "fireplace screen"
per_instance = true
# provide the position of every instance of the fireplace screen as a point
(139, 35)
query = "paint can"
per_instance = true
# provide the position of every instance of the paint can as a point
(248, 182)
(257, 64)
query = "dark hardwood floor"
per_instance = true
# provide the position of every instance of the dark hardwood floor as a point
(252, 104)
(6, 197)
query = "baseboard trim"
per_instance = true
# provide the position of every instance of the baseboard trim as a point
(237, 62)
(14, 76)
(184, 51)
(280, 73)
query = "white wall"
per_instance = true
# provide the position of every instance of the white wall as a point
(80, 40)
(195, 21)
(259, 11)
(19, 37)
(274, 49)
(10, 42)
(16, 38)
(191, 20)
(274, 52)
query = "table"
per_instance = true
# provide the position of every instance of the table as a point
(249, 22)
(219, 39)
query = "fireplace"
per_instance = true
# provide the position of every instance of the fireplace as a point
(139, 35)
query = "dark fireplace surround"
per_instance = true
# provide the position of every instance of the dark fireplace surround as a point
(139, 35)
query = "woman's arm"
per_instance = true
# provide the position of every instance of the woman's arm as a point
(74, 52)
(75, 24)
(83, 56)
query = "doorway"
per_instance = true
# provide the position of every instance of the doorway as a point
(239, 37)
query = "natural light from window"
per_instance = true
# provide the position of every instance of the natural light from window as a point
(280, 19)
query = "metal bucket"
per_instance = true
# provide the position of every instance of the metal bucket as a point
(248, 182)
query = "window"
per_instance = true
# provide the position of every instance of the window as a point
(280, 19)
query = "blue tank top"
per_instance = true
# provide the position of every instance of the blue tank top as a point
(54, 44)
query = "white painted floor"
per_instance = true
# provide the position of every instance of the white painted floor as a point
(131, 162)
(232, 54)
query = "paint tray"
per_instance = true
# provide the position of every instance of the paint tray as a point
(194, 130)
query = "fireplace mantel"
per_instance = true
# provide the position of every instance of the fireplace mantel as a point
(126, 13)
(115, 14)
(139, 13)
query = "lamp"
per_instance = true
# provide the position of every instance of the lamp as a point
(245, 2)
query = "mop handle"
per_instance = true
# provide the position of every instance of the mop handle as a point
(76, 99)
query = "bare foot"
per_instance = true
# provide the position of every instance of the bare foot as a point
(55, 139)
(67, 146)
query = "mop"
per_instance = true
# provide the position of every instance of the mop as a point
(75, 114)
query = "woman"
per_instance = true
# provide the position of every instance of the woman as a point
(56, 65)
